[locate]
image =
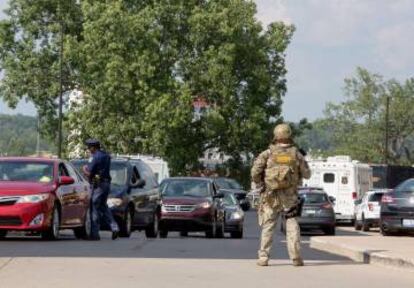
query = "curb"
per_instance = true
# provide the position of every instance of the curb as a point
(360, 255)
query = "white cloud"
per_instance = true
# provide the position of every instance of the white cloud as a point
(272, 10)
(395, 46)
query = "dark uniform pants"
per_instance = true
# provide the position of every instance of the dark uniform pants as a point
(100, 210)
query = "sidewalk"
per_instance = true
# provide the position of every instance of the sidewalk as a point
(369, 247)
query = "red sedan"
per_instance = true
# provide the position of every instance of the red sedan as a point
(43, 196)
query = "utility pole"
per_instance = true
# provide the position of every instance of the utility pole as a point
(60, 116)
(387, 112)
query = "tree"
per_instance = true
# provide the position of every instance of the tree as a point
(359, 121)
(29, 53)
(142, 64)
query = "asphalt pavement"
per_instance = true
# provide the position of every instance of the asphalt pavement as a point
(180, 262)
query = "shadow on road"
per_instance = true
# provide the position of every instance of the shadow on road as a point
(193, 247)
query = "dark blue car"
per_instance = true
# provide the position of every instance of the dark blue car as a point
(135, 198)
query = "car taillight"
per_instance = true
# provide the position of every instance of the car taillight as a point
(354, 195)
(327, 206)
(387, 199)
(370, 207)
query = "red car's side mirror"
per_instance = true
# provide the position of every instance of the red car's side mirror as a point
(66, 180)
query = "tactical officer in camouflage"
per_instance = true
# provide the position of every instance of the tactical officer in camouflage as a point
(277, 172)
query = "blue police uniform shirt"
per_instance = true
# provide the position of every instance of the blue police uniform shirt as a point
(100, 165)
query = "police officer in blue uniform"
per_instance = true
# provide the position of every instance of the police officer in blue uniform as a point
(98, 173)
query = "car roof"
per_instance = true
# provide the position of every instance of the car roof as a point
(31, 159)
(190, 178)
(316, 191)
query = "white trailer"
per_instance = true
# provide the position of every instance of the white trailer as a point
(343, 179)
(157, 165)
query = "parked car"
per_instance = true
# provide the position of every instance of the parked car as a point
(367, 210)
(191, 204)
(134, 198)
(397, 209)
(231, 185)
(317, 212)
(234, 216)
(42, 196)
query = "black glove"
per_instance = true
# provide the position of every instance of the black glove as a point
(295, 210)
(303, 152)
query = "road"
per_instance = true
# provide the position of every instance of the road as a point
(180, 262)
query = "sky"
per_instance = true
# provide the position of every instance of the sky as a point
(332, 38)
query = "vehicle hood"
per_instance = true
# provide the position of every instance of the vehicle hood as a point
(23, 188)
(183, 200)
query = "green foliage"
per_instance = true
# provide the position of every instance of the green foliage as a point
(141, 64)
(358, 124)
(18, 136)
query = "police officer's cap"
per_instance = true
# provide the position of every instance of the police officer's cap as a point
(93, 143)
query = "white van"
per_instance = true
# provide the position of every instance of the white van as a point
(157, 164)
(343, 179)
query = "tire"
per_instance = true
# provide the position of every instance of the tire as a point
(153, 230)
(384, 231)
(220, 230)
(184, 233)
(3, 234)
(357, 226)
(126, 224)
(84, 232)
(329, 231)
(211, 232)
(163, 233)
(52, 233)
(365, 226)
(237, 234)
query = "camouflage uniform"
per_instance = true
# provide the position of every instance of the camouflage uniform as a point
(272, 203)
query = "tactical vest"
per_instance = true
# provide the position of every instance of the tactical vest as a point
(282, 170)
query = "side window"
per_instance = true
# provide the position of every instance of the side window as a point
(62, 170)
(135, 175)
(72, 172)
(146, 174)
(329, 178)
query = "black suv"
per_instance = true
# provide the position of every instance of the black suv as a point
(134, 199)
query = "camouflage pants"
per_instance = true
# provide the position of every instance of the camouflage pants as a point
(268, 215)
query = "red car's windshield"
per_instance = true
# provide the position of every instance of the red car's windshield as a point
(26, 171)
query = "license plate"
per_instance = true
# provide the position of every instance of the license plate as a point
(311, 212)
(408, 222)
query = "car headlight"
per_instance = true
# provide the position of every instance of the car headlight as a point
(114, 202)
(236, 215)
(204, 205)
(36, 198)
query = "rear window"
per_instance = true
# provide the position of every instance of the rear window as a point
(407, 187)
(376, 197)
(314, 198)
(329, 178)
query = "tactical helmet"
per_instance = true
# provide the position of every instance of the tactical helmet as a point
(282, 132)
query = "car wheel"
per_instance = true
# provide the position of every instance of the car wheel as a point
(52, 233)
(3, 234)
(184, 233)
(365, 226)
(220, 231)
(237, 234)
(126, 224)
(329, 231)
(357, 225)
(163, 233)
(384, 231)
(84, 232)
(152, 230)
(211, 232)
